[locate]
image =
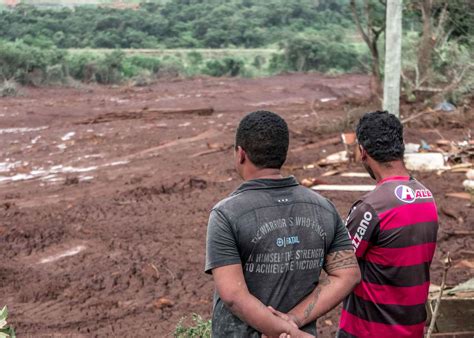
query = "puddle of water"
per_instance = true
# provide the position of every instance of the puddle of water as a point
(51, 174)
(327, 99)
(51, 178)
(117, 163)
(20, 130)
(17, 177)
(6, 166)
(68, 136)
(61, 169)
(38, 172)
(94, 156)
(33, 141)
(67, 253)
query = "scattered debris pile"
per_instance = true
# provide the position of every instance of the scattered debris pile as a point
(440, 157)
(469, 183)
(456, 309)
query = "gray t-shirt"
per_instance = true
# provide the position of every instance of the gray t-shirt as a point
(280, 232)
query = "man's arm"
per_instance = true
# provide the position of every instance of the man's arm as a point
(343, 275)
(233, 291)
(362, 224)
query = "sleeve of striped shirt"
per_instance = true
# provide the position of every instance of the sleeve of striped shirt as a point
(363, 224)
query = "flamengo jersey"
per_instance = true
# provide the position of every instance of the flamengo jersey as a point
(393, 230)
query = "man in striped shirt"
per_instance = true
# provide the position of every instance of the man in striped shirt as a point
(393, 230)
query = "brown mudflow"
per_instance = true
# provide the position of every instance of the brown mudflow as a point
(129, 206)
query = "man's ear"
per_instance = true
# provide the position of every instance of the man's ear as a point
(241, 155)
(363, 153)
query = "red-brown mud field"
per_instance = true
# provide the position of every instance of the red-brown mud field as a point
(105, 194)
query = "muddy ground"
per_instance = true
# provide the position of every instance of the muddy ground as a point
(99, 221)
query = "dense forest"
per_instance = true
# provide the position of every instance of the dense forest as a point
(177, 24)
(330, 36)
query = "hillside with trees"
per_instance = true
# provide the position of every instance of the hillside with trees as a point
(177, 24)
(332, 36)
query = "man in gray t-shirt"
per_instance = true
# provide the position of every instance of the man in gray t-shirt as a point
(268, 241)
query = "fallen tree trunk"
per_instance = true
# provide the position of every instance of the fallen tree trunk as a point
(145, 114)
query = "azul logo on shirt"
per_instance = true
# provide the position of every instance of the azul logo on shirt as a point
(284, 241)
(408, 195)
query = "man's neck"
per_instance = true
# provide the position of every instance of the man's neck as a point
(391, 169)
(264, 173)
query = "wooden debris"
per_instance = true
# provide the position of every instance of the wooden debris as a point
(323, 143)
(309, 182)
(460, 170)
(349, 138)
(459, 232)
(306, 182)
(330, 173)
(465, 263)
(415, 116)
(145, 113)
(350, 144)
(207, 152)
(455, 315)
(280, 102)
(351, 174)
(334, 159)
(464, 334)
(310, 166)
(163, 303)
(151, 270)
(460, 195)
(330, 187)
(299, 166)
(212, 148)
(447, 265)
(449, 212)
(154, 150)
(443, 142)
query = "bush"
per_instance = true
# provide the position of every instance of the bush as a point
(105, 69)
(318, 53)
(277, 63)
(82, 66)
(8, 88)
(228, 66)
(201, 329)
(195, 58)
(5, 330)
(171, 66)
(149, 63)
(258, 61)
(453, 71)
(55, 75)
(109, 68)
(144, 78)
(27, 64)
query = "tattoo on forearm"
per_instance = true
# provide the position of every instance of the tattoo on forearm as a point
(309, 308)
(340, 260)
(312, 304)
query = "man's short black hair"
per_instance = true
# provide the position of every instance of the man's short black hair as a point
(264, 137)
(381, 135)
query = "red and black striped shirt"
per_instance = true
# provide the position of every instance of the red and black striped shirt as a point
(393, 230)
